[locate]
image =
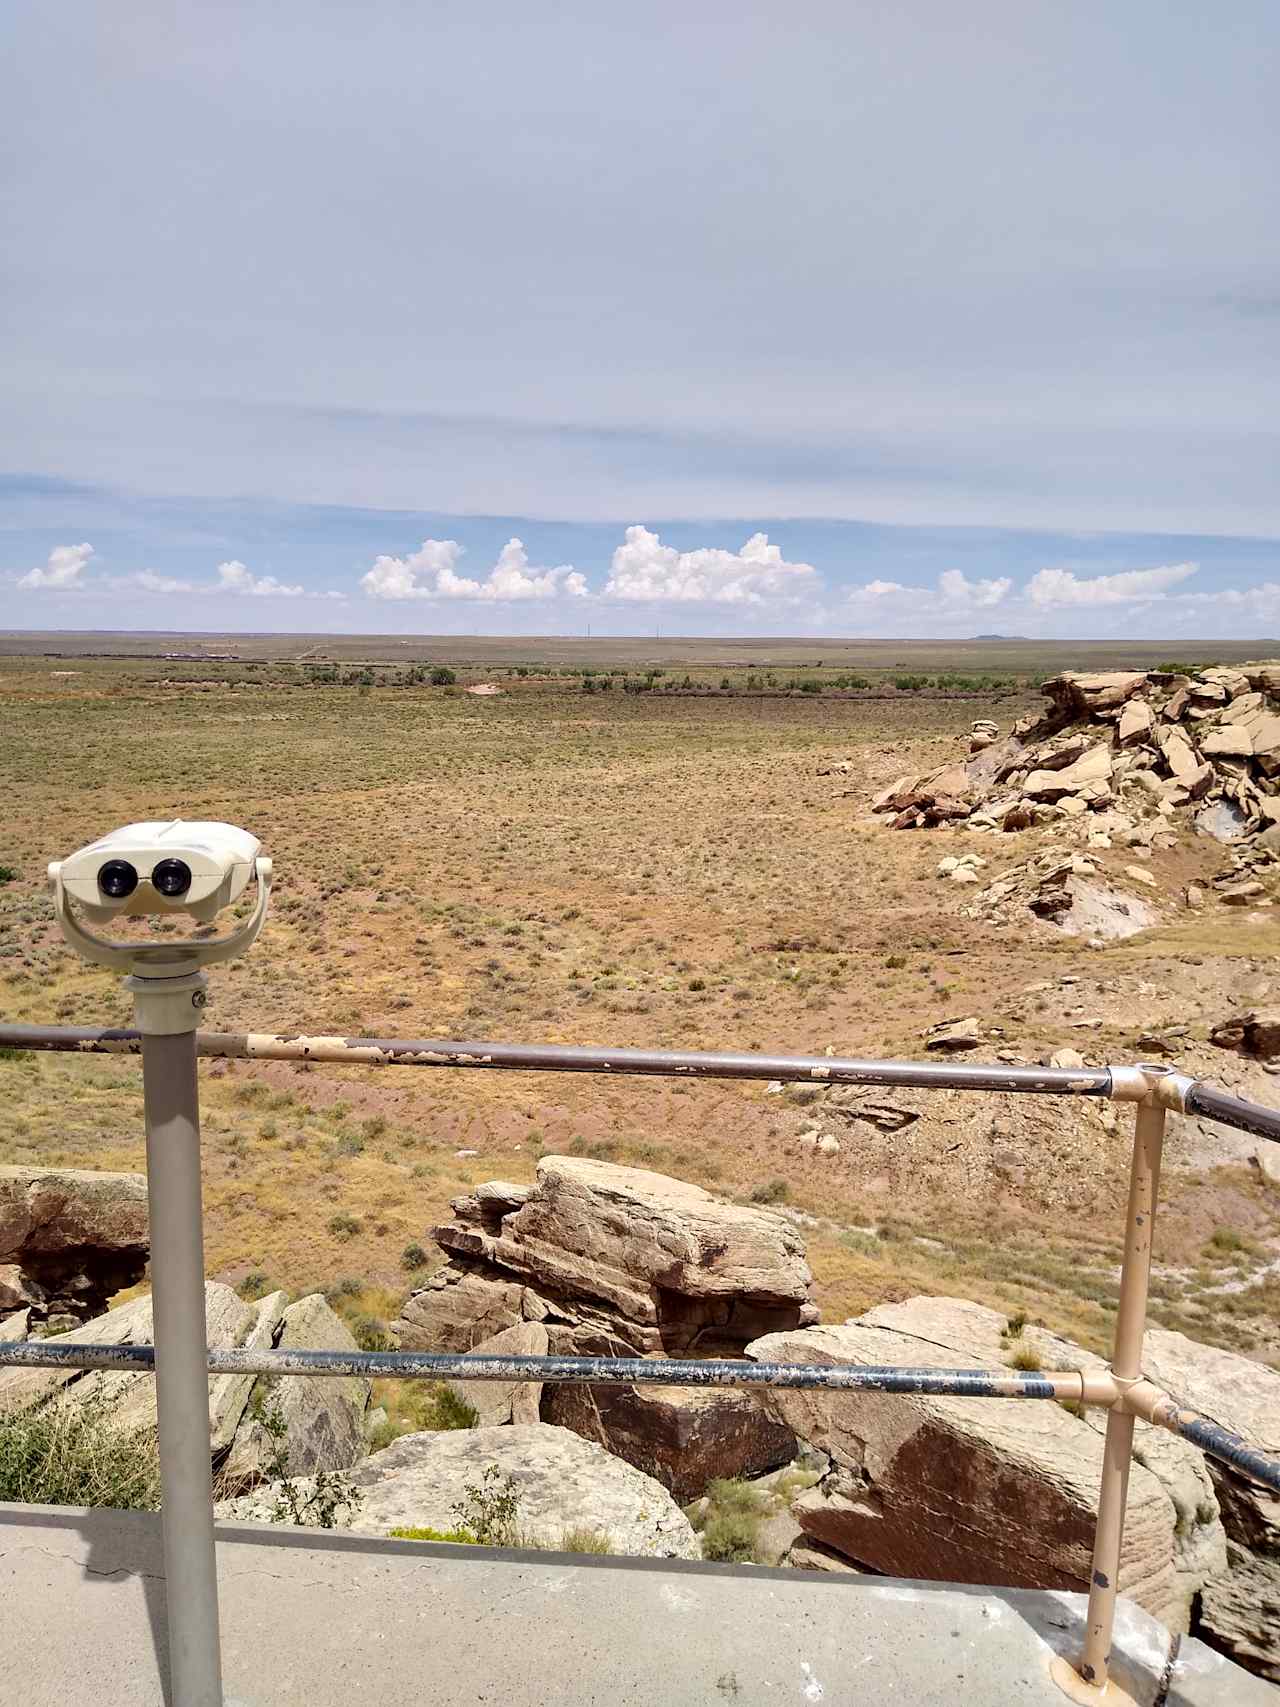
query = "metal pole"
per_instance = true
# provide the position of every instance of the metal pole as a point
(1126, 1368)
(171, 1100)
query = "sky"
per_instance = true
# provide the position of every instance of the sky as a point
(909, 319)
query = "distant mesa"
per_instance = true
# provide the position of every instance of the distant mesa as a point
(1000, 637)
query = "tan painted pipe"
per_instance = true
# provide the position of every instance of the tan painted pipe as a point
(1126, 1369)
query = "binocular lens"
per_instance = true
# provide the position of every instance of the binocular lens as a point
(172, 877)
(117, 878)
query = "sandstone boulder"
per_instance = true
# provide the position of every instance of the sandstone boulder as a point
(684, 1437)
(69, 1239)
(324, 1418)
(562, 1483)
(1093, 767)
(497, 1402)
(612, 1258)
(1240, 1606)
(1091, 694)
(978, 1491)
(1136, 723)
(1256, 1033)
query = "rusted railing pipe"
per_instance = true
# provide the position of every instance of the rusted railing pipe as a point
(1156, 1406)
(1126, 1368)
(1115, 1082)
(570, 1058)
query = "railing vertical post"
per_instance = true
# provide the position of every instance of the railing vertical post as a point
(1126, 1367)
(170, 1096)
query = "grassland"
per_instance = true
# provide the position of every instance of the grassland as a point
(664, 866)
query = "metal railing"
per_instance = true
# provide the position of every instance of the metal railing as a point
(1120, 1389)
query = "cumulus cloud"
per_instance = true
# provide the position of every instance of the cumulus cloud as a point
(63, 570)
(234, 577)
(644, 569)
(147, 581)
(431, 572)
(1055, 588)
(955, 593)
(957, 589)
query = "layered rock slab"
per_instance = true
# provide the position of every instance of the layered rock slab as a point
(1240, 1606)
(600, 1252)
(997, 1491)
(614, 1261)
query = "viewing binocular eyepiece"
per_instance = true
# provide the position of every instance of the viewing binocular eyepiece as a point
(158, 867)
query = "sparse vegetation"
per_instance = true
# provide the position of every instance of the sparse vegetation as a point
(74, 1454)
(662, 867)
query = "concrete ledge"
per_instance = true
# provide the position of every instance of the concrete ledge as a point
(318, 1618)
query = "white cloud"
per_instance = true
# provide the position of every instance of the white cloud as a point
(646, 570)
(234, 577)
(431, 573)
(1051, 588)
(147, 581)
(957, 589)
(66, 565)
(955, 593)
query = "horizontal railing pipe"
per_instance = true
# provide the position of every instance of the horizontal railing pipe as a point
(635, 1371)
(1211, 1103)
(571, 1058)
(1070, 1386)
(1161, 1408)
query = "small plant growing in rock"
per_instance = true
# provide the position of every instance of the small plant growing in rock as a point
(331, 1493)
(491, 1509)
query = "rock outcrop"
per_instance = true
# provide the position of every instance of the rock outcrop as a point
(684, 1437)
(614, 1261)
(1254, 1033)
(324, 1419)
(611, 1259)
(1240, 1606)
(69, 1240)
(1125, 751)
(497, 1402)
(961, 1490)
(562, 1483)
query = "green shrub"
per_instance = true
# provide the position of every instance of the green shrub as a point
(583, 1541)
(413, 1256)
(490, 1509)
(73, 1454)
(416, 1532)
(370, 1334)
(442, 677)
(731, 1537)
(446, 1410)
(770, 1191)
(731, 1526)
(343, 1226)
(7, 873)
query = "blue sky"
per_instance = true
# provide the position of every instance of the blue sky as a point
(309, 312)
